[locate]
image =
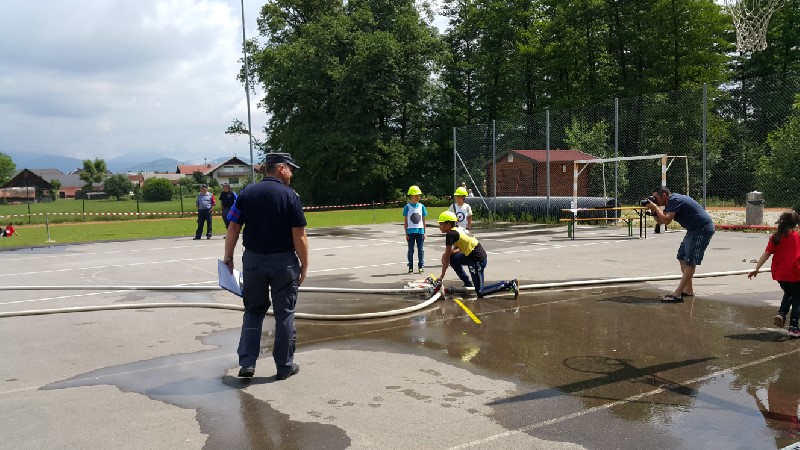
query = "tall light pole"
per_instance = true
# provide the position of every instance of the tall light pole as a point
(247, 92)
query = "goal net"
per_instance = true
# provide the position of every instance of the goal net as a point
(628, 179)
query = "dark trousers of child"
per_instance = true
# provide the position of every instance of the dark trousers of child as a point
(416, 239)
(475, 266)
(791, 297)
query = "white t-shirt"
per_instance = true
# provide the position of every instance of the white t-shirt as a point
(462, 212)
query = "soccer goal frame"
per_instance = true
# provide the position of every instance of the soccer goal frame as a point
(666, 162)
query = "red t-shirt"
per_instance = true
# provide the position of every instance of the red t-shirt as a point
(9, 231)
(785, 262)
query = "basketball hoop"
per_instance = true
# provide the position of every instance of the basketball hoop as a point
(751, 18)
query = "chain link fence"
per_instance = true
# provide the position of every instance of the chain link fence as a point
(721, 142)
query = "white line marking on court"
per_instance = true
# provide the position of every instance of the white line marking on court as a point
(89, 294)
(61, 297)
(113, 252)
(108, 266)
(632, 398)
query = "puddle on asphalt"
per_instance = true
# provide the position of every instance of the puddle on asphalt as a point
(226, 412)
(568, 352)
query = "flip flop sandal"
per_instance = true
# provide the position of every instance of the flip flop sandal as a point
(669, 298)
(686, 294)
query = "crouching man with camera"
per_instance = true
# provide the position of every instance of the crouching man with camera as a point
(699, 230)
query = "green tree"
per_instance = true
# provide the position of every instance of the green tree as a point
(7, 168)
(56, 186)
(157, 190)
(777, 173)
(117, 186)
(198, 177)
(346, 86)
(93, 172)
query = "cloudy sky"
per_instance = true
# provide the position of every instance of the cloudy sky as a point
(104, 78)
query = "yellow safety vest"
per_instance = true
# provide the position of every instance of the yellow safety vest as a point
(466, 242)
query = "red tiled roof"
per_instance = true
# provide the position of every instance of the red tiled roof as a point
(189, 169)
(555, 155)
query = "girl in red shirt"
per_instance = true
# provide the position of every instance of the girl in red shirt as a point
(785, 245)
(10, 231)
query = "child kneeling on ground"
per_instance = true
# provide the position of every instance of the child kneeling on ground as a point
(462, 249)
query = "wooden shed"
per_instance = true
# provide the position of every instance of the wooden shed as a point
(524, 173)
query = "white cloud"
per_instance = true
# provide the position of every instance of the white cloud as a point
(102, 78)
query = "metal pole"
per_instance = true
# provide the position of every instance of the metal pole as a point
(28, 201)
(47, 225)
(455, 166)
(247, 92)
(494, 171)
(705, 130)
(616, 151)
(547, 154)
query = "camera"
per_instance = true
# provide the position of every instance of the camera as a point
(648, 199)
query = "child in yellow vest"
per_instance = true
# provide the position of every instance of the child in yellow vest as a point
(462, 249)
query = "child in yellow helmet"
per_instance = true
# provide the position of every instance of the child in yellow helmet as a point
(462, 249)
(461, 209)
(414, 226)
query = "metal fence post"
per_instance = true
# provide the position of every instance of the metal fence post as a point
(547, 156)
(494, 169)
(705, 132)
(616, 151)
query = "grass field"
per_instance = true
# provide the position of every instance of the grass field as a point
(90, 207)
(37, 234)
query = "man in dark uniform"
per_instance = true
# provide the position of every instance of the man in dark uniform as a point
(205, 203)
(275, 262)
(227, 197)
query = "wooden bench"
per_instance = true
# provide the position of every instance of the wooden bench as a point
(572, 222)
(628, 220)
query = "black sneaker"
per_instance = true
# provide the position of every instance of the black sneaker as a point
(247, 372)
(410, 270)
(281, 377)
(421, 270)
(195, 238)
(208, 237)
(515, 287)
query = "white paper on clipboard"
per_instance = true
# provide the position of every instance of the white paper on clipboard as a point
(231, 282)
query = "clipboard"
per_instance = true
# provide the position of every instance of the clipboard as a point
(231, 282)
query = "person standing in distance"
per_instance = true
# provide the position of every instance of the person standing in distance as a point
(274, 263)
(699, 230)
(227, 199)
(205, 203)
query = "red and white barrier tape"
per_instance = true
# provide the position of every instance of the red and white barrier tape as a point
(305, 208)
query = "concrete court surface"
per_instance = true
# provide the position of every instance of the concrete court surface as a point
(598, 367)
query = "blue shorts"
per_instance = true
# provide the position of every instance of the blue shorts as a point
(693, 248)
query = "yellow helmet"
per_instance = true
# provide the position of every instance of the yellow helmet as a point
(448, 216)
(414, 190)
(461, 191)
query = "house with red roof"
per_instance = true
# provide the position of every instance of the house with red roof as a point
(524, 173)
(233, 171)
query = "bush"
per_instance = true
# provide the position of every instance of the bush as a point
(157, 190)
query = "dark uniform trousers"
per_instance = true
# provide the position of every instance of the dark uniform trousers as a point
(269, 275)
(203, 217)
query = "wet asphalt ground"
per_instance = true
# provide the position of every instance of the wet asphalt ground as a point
(593, 367)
